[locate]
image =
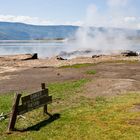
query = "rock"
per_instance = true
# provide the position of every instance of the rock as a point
(19, 57)
(129, 53)
(95, 56)
(60, 58)
(58, 74)
(35, 56)
(31, 57)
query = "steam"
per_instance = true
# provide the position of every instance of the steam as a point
(109, 31)
(105, 40)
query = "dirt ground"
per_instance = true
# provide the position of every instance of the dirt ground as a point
(114, 79)
(110, 78)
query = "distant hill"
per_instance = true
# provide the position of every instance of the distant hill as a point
(21, 31)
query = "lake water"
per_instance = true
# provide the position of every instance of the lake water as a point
(44, 49)
(48, 49)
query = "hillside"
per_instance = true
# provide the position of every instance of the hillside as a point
(20, 31)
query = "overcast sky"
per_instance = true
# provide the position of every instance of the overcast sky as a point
(114, 13)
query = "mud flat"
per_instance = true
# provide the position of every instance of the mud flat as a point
(18, 73)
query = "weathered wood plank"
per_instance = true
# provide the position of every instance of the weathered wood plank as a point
(34, 96)
(14, 113)
(45, 108)
(34, 104)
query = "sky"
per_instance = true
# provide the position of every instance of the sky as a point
(109, 13)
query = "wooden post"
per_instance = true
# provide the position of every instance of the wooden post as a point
(45, 109)
(14, 113)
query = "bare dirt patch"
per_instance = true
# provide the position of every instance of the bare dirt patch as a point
(136, 108)
(135, 122)
(108, 87)
(111, 78)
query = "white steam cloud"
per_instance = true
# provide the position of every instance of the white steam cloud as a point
(110, 38)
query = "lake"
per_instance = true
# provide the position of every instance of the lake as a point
(52, 48)
(43, 48)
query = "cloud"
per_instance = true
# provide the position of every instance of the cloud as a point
(130, 19)
(25, 19)
(117, 3)
(115, 15)
(74, 23)
(36, 20)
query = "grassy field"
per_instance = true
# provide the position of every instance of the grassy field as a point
(77, 117)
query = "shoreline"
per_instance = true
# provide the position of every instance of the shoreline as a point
(22, 58)
(20, 62)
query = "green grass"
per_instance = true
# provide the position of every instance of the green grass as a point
(92, 72)
(5, 102)
(78, 65)
(81, 118)
(93, 64)
(65, 89)
(123, 61)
